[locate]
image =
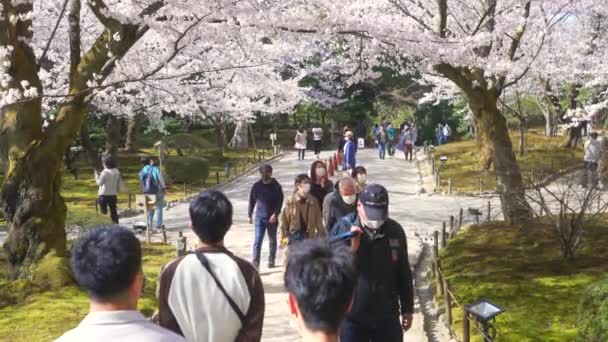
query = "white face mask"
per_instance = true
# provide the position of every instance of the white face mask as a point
(321, 172)
(374, 225)
(349, 199)
(362, 178)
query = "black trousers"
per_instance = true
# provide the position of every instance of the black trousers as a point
(382, 331)
(317, 145)
(111, 202)
(301, 154)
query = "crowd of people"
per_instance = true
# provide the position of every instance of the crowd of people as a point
(347, 275)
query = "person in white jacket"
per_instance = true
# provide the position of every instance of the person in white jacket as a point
(110, 183)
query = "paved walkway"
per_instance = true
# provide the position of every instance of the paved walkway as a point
(419, 215)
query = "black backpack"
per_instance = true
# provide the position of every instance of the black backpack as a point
(149, 184)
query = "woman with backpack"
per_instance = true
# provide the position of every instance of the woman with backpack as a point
(110, 185)
(152, 183)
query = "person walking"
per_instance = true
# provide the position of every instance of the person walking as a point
(593, 152)
(350, 151)
(317, 134)
(407, 143)
(301, 216)
(359, 174)
(340, 203)
(383, 303)
(390, 143)
(320, 280)
(266, 197)
(300, 142)
(439, 134)
(375, 133)
(382, 139)
(107, 264)
(211, 295)
(152, 183)
(447, 132)
(110, 185)
(342, 141)
(321, 185)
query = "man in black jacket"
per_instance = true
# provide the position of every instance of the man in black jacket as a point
(266, 198)
(339, 203)
(385, 288)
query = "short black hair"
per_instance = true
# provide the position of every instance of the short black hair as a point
(146, 160)
(265, 168)
(105, 261)
(211, 216)
(302, 178)
(322, 278)
(109, 162)
(358, 170)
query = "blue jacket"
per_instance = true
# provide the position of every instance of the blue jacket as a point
(267, 199)
(350, 160)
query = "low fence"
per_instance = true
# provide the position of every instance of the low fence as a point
(443, 288)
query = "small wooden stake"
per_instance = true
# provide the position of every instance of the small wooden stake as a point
(448, 303)
(466, 327)
(489, 218)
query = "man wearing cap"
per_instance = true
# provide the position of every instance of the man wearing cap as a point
(383, 303)
(266, 198)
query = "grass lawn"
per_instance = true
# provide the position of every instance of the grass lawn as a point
(522, 270)
(29, 314)
(545, 155)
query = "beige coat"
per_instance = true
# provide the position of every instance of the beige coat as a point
(289, 220)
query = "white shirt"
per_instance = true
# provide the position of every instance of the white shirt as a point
(593, 150)
(317, 133)
(108, 181)
(118, 326)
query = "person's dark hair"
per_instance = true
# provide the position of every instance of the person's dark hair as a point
(313, 169)
(594, 135)
(358, 170)
(322, 278)
(109, 162)
(146, 160)
(301, 129)
(302, 178)
(211, 216)
(264, 168)
(105, 262)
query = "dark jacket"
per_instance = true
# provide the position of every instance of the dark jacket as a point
(350, 151)
(334, 208)
(267, 199)
(385, 288)
(320, 192)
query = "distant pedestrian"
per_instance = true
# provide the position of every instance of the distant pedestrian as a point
(266, 197)
(211, 295)
(414, 129)
(320, 280)
(107, 265)
(317, 141)
(406, 143)
(300, 142)
(321, 185)
(593, 153)
(350, 151)
(391, 136)
(342, 140)
(382, 139)
(447, 132)
(375, 133)
(110, 185)
(359, 174)
(340, 203)
(301, 216)
(383, 304)
(152, 183)
(439, 134)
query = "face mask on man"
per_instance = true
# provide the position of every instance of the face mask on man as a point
(362, 178)
(373, 225)
(350, 199)
(321, 172)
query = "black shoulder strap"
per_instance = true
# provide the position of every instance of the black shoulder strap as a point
(203, 259)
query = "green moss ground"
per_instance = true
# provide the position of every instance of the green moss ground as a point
(30, 314)
(545, 155)
(522, 270)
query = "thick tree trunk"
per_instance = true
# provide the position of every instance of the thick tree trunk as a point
(133, 132)
(240, 139)
(497, 147)
(112, 131)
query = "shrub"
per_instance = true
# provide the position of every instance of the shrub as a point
(593, 313)
(187, 170)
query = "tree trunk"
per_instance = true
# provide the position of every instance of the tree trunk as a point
(522, 136)
(497, 148)
(240, 139)
(113, 135)
(133, 132)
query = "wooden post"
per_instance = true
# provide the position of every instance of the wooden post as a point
(97, 206)
(130, 199)
(236, 171)
(448, 303)
(451, 225)
(227, 170)
(217, 177)
(164, 234)
(449, 186)
(444, 237)
(489, 218)
(181, 244)
(460, 218)
(466, 327)
(148, 223)
(481, 185)
(438, 278)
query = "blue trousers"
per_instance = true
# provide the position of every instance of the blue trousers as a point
(382, 331)
(382, 150)
(261, 227)
(160, 203)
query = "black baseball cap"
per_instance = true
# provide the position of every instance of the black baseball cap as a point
(265, 168)
(374, 199)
